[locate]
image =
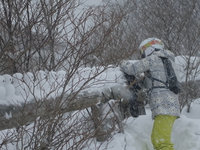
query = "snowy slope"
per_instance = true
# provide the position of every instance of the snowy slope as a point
(185, 136)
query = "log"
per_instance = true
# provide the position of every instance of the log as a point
(14, 116)
(18, 115)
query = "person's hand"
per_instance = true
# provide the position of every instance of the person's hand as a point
(123, 63)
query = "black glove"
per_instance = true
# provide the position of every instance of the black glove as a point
(130, 79)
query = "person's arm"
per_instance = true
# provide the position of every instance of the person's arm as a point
(138, 67)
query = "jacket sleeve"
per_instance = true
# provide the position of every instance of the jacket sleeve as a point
(139, 67)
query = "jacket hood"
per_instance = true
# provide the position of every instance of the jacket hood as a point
(165, 53)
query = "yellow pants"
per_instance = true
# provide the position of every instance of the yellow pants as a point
(161, 132)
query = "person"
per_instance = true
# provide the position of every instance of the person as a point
(163, 103)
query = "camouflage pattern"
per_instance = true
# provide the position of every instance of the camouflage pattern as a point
(161, 100)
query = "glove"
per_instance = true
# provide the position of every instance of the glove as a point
(129, 78)
(123, 63)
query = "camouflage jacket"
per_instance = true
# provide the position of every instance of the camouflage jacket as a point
(161, 100)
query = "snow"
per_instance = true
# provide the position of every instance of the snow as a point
(185, 135)
(2, 89)
(137, 131)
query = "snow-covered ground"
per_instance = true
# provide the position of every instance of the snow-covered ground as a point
(185, 136)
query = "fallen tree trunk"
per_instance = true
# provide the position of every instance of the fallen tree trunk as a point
(18, 115)
(14, 116)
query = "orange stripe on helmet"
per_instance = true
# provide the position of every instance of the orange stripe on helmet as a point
(149, 44)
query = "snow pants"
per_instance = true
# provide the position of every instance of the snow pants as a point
(161, 132)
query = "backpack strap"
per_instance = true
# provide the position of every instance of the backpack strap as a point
(155, 79)
(153, 87)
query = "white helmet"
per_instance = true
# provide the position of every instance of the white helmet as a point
(148, 46)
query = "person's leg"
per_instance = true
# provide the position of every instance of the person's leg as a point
(161, 132)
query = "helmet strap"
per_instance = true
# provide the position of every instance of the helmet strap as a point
(143, 55)
(149, 51)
